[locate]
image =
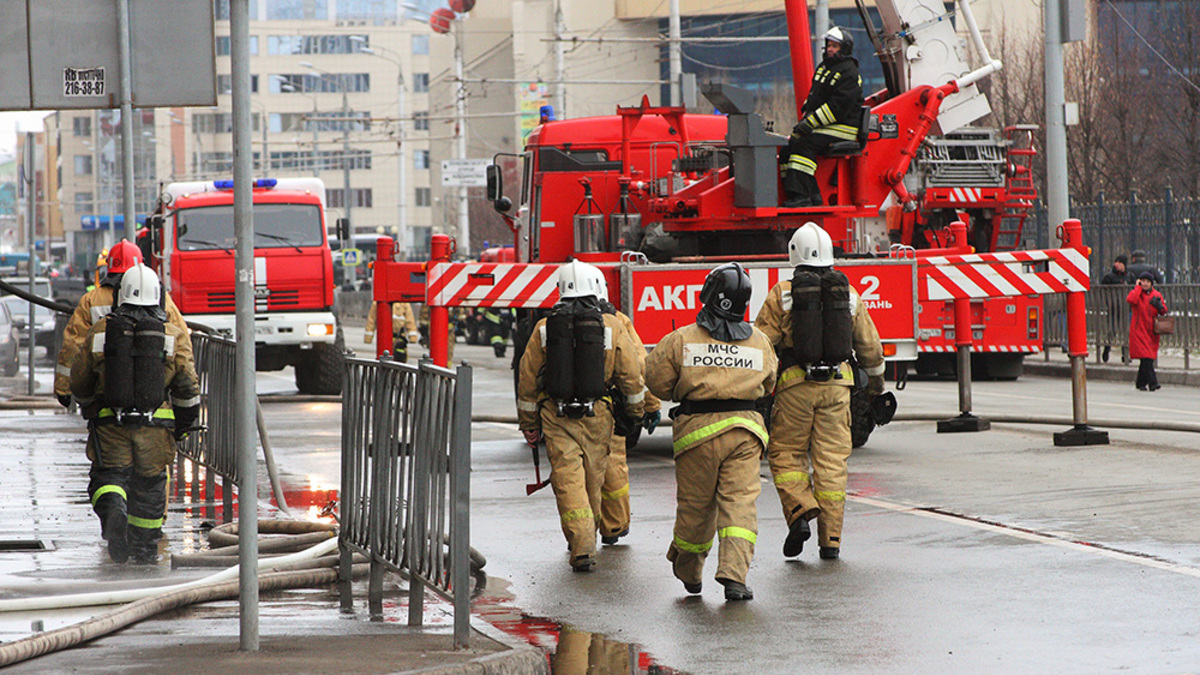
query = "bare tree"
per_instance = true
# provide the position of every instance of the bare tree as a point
(1178, 104)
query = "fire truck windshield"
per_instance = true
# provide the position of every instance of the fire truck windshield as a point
(275, 226)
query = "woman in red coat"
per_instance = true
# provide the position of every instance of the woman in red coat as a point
(1145, 303)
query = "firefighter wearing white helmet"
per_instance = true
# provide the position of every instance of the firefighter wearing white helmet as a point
(136, 384)
(573, 358)
(831, 113)
(717, 368)
(817, 323)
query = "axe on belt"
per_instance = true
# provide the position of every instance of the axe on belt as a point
(538, 483)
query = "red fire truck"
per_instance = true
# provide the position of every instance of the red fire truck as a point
(191, 246)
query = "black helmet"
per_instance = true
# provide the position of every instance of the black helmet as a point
(727, 291)
(841, 37)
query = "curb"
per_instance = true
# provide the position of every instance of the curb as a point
(1187, 378)
(520, 659)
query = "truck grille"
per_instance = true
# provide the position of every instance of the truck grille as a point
(290, 298)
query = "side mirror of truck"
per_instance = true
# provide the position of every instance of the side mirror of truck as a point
(343, 229)
(495, 183)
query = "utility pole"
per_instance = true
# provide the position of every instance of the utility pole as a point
(460, 132)
(820, 26)
(29, 178)
(1056, 130)
(675, 52)
(347, 197)
(126, 119)
(560, 67)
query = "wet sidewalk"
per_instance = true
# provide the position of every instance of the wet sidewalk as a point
(51, 545)
(1172, 368)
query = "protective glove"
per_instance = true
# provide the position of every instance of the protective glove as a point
(368, 338)
(532, 436)
(874, 385)
(1157, 303)
(801, 130)
(64, 400)
(651, 420)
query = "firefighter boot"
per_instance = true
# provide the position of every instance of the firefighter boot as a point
(143, 545)
(794, 193)
(499, 347)
(114, 524)
(736, 591)
(798, 533)
(583, 563)
(830, 552)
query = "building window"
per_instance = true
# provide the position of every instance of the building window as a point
(421, 121)
(303, 83)
(420, 44)
(375, 11)
(225, 84)
(424, 197)
(335, 198)
(316, 44)
(420, 83)
(221, 10)
(421, 159)
(297, 10)
(223, 45)
(83, 202)
(218, 123)
(82, 126)
(83, 165)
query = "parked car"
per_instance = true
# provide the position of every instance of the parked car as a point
(43, 321)
(10, 351)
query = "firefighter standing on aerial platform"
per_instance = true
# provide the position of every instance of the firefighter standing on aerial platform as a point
(404, 329)
(136, 383)
(615, 514)
(817, 322)
(572, 359)
(717, 368)
(830, 114)
(96, 303)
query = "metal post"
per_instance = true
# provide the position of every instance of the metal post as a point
(1133, 222)
(460, 509)
(675, 53)
(963, 339)
(802, 57)
(820, 27)
(439, 317)
(30, 178)
(1169, 233)
(383, 310)
(351, 272)
(1056, 128)
(460, 133)
(405, 238)
(126, 119)
(560, 63)
(1071, 234)
(244, 377)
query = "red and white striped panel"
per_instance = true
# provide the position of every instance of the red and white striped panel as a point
(524, 285)
(966, 195)
(1000, 275)
(976, 347)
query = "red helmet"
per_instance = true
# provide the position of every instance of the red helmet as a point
(122, 256)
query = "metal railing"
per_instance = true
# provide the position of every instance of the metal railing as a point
(214, 449)
(1108, 319)
(406, 444)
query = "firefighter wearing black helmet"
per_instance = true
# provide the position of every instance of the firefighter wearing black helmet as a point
(830, 114)
(717, 368)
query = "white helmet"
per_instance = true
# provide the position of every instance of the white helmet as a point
(579, 279)
(811, 246)
(139, 286)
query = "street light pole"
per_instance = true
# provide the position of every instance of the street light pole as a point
(460, 131)
(405, 242)
(347, 198)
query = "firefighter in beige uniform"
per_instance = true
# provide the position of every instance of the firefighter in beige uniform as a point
(136, 383)
(717, 368)
(404, 329)
(615, 514)
(573, 357)
(810, 423)
(95, 304)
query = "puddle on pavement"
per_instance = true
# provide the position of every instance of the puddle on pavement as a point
(569, 650)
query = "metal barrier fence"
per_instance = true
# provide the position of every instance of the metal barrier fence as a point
(1108, 318)
(213, 450)
(406, 444)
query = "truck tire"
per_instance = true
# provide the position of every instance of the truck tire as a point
(321, 370)
(1004, 367)
(862, 422)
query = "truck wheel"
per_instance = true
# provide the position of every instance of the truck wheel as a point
(1007, 367)
(862, 422)
(321, 371)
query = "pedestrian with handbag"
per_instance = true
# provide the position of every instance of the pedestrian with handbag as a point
(1145, 304)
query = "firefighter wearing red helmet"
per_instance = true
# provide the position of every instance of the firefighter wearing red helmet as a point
(95, 304)
(717, 368)
(573, 358)
(817, 323)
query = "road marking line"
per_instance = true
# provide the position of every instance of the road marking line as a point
(1143, 559)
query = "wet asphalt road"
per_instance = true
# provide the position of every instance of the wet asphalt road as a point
(987, 552)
